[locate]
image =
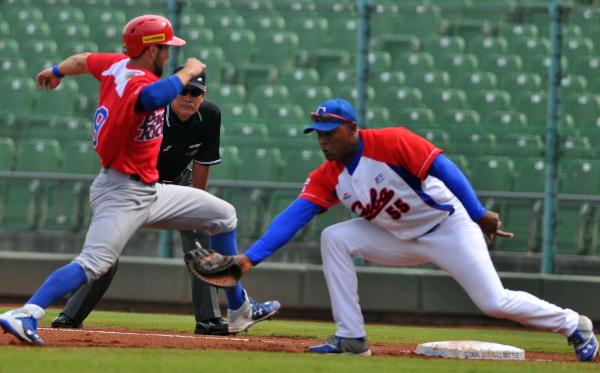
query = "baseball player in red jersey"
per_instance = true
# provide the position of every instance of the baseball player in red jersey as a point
(127, 134)
(415, 207)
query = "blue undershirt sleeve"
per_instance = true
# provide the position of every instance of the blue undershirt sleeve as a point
(445, 170)
(159, 94)
(282, 229)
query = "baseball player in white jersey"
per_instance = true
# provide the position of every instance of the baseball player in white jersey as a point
(125, 195)
(415, 207)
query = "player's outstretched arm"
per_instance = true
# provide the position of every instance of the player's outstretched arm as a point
(490, 224)
(75, 65)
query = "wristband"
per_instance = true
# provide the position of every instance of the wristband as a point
(57, 72)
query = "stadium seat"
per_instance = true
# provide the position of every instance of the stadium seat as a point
(524, 219)
(519, 31)
(7, 153)
(576, 147)
(21, 201)
(239, 112)
(79, 157)
(438, 137)
(324, 60)
(229, 93)
(278, 201)
(471, 142)
(245, 133)
(492, 173)
(223, 21)
(344, 27)
(238, 44)
(534, 105)
(430, 80)
(379, 61)
(213, 57)
(460, 118)
(577, 46)
(278, 114)
(482, 46)
(339, 77)
(264, 95)
(526, 46)
(415, 118)
(61, 102)
(506, 121)
(13, 67)
(521, 81)
(540, 63)
(501, 64)
(253, 74)
(379, 116)
(443, 99)
(9, 48)
(75, 47)
(19, 94)
(279, 48)
(396, 98)
(298, 75)
(72, 31)
(490, 100)
(17, 14)
(572, 224)
(414, 63)
(584, 107)
(63, 208)
(444, 45)
(311, 31)
(259, 21)
(457, 63)
(229, 168)
(261, 164)
(397, 44)
(299, 162)
(571, 83)
(198, 36)
(520, 145)
(309, 96)
(59, 128)
(588, 67)
(27, 30)
(111, 16)
(477, 80)
(38, 155)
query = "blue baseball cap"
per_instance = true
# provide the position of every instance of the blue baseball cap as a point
(331, 114)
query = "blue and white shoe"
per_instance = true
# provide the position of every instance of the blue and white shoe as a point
(584, 340)
(250, 313)
(341, 345)
(21, 324)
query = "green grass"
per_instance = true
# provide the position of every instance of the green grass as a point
(186, 360)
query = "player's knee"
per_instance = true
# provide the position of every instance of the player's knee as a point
(494, 307)
(226, 221)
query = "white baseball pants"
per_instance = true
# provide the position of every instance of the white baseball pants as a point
(457, 246)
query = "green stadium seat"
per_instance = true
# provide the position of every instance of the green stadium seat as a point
(415, 118)
(589, 66)
(460, 118)
(521, 81)
(71, 31)
(229, 93)
(501, 64)
(21, 201)
(239, 112)
(61, 101)
(259, 22)
(213, 57)
(35, 49)
(379, 61)
(278, 114)
(198, 36)
(530, 175)
(69, 48)
(38, 155)
(534, 105)
(13, 67)
(430, 80)
(4, 29)
(577, 147)
(59, 128)
(345, 28)
(298, 75)
(238, 132)
(490, 100)
(19, 94)
(520, 145)
(458, 63)
(492, 173)
(229, 168)
(79, 157)
(540, 63)
(526, 46)
(478, 80)
(444, 45)
(572, 221)
(396, 98)
(578, 46)
(511, 121)
(30, 30)
(324, 60)
(571, 83)
(63, 207)
(7, 153)
(414, 63)
(261, 163)
(224, 21)
(383, 80)
(469, 28)
(470, 142)
(523, 30)
(584, 107)
(238, 44)
(264, 95)
(17, 14)
(253, 74)
(443, 99)
(311, 31)
(109, 34)
(112, 16)
(438, 137)
(309, 96)
(482, 46)
(286, 133)
(378, 116)
(419, 19)
(279, 48)
(299, 163)
(339, 77)
(397, 44)
(524, 219)
(9, 48)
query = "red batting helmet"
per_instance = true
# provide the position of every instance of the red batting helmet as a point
(143, 31)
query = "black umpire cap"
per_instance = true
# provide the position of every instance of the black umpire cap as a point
(199, 81)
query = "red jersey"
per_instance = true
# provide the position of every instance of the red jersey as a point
(389, 186)
(126, 138)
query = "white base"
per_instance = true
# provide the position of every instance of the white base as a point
(470, 350)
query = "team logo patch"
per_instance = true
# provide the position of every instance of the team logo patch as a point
(346, 195)
(154, 38)
(379, 178)
(100, 118)
(152, 127)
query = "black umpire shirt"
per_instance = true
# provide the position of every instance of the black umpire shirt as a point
(196, 139)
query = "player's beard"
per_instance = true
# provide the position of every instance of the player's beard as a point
(158, 67)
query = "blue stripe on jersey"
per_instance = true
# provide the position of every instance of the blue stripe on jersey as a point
(415, 184)
(351, 166)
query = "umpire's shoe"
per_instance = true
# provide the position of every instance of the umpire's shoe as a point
(216, 326)
(21, 324)
(584, 340)
(341, 345)
(250, 313)
(65, 322)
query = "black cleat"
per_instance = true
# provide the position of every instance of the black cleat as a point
(64, 321)
(216, 326)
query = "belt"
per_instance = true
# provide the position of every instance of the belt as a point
(133, 177)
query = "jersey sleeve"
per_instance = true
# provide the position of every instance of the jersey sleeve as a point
(411, 151)
(209, 154)
(319, 187)
(99, 62)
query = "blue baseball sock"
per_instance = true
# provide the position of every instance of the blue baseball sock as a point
(60, 282)
(226, 244)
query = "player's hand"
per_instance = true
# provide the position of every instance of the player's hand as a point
(244, 262)
(47, 80)
(490, 225)
(193, 67)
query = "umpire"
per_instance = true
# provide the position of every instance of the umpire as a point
(191, 133)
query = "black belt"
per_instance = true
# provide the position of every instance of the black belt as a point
(134, 177)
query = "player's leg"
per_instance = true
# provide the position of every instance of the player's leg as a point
(119, 207)
(83, 302)
(459, 248)
(340, 243)
(184, 208)
(204, 297)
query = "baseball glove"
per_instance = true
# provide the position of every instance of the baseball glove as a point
(213, 268)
